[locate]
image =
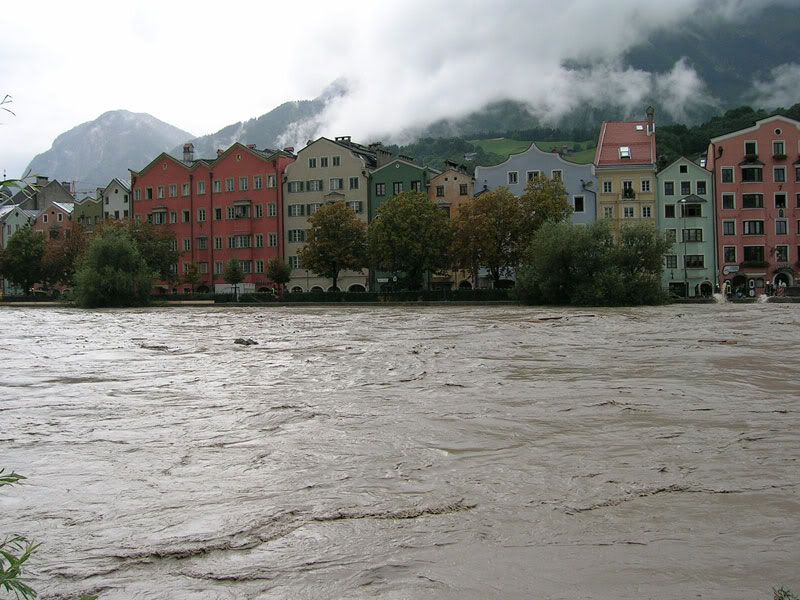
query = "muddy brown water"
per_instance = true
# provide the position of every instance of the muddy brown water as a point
(430, 452)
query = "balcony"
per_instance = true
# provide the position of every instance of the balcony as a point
(779, 156)
(628, 194)
(754, 264)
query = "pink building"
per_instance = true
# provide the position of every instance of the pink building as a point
(757, 193)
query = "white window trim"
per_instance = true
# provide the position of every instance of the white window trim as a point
(733, 172)
(744, 146)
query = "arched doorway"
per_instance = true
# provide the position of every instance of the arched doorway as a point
(465, 285)
(333, 289)
(203, 289)
(317, 290)
(706, 289)
(356, 287)
(783, 278)
(265, 290)
(297, 290)
(739, 285)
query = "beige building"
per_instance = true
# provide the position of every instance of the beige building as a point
(325, 171)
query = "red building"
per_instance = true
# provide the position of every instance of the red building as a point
(222, 208)
(757, 195)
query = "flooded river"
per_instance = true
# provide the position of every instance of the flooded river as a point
(424, 452)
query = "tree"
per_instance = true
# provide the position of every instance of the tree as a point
(545, 200)
(61, 256)
(22, 259)
(336, 242)
(192, 275)
(410, 236)
(487, 233)
(278, 272)
(234, 275)
(158, 248)
(113, 272)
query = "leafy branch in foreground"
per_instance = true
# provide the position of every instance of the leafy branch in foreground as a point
(783, 594)
(10, 479)
(14, 552)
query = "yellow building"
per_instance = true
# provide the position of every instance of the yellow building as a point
(625, 165)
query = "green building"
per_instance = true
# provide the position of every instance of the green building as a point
(88, 212)
(685, 208)
(395, 177)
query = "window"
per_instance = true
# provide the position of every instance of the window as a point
(239, 241)
(294, 262)
(202, 243)
(669, 188)
(691, 210)
(218, 214)
(203, 268)
(751, 149)
(173, 245)
(125, 198)
(218, 243)
(671, 261)
(353, 181)
(726, 174)
(356, 206)
(577, 203)
(729, 254)
(296, 235)
(700, 186)
(729, 228)
(686, 188)
(671, 235)
(137, 194)
(607, 187)
(295, 186)
(185, 189)
(534, 175)
(752, 174)
(272, 210)
(628, 212)
(337, 183)
(160, 192)
(173, 217)
(683, 169)
(728, 201)
(754, 227)
(337, 160)
(108, 200)
(315, 185)
(780, 200)
(513, 177)
(243, 184)
(272, 239)
(752, 201)
(463, 189)
(271, 181)
(240, 211)
(313, 207)
(440, 191)
(380, 189)
(297, 210)
(692, 235)
(782, 254)
(323, 162)
(694, 261)
(201, 215)
(779, 174)
(218, 268)
(258, 182)
(259, 211)
(259, 240)
(608, 212)
(60, 216)
(624, 152)
(201, 187)
(312, 163)
(647, 212)
(669, 211)
(148, 193)
(397, 187)
(247, 266)
(796, 175)
(645, 185)
(217, 186)
(259, 266)
(781, 227)
(187, 244)
(556, 174)
(229, 184)
(778, 149)
(754, 254)
(416, 186)
(173, 190)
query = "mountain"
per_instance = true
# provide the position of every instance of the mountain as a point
(93, 153)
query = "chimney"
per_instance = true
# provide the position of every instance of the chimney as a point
(651, 122)
(188, 152)
(251, 146)
(41, 180)
(289, 149)
(219, 152)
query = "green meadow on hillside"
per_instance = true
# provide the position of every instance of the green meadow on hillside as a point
(506, 146)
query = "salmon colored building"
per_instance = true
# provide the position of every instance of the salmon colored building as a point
(221, 208)
(757, 195)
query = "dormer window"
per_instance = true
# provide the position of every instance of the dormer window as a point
(624, 152)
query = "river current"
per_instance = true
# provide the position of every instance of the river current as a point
(405, 452)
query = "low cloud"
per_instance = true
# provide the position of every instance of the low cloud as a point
(781, 89)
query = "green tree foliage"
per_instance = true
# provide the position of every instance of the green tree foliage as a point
(22, 258)
(112, 272)
(233, 275)
(61, 256)
(158, 248)
(544, 201)
(278, 271)
(192, 275)
(570, 264)
(410, 236)
(15, 551)
(336, 241)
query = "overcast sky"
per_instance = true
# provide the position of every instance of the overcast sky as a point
(201, 65)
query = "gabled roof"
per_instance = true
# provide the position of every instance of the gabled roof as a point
(692, 199)
(683, 159)
(369, 157)
(755, 127)
(120, 183)
(404, 162)
(67, 207)
(616, 135)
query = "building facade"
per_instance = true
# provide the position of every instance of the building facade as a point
(325, 171)
(55, 221)
(757, 197)
(625, 164)
(686, 216)
(219, 209)
(579, 181)
(115, 198)
(88, 212)
(12, 219)
(398, 175)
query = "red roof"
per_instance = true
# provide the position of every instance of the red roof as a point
(617, 134)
